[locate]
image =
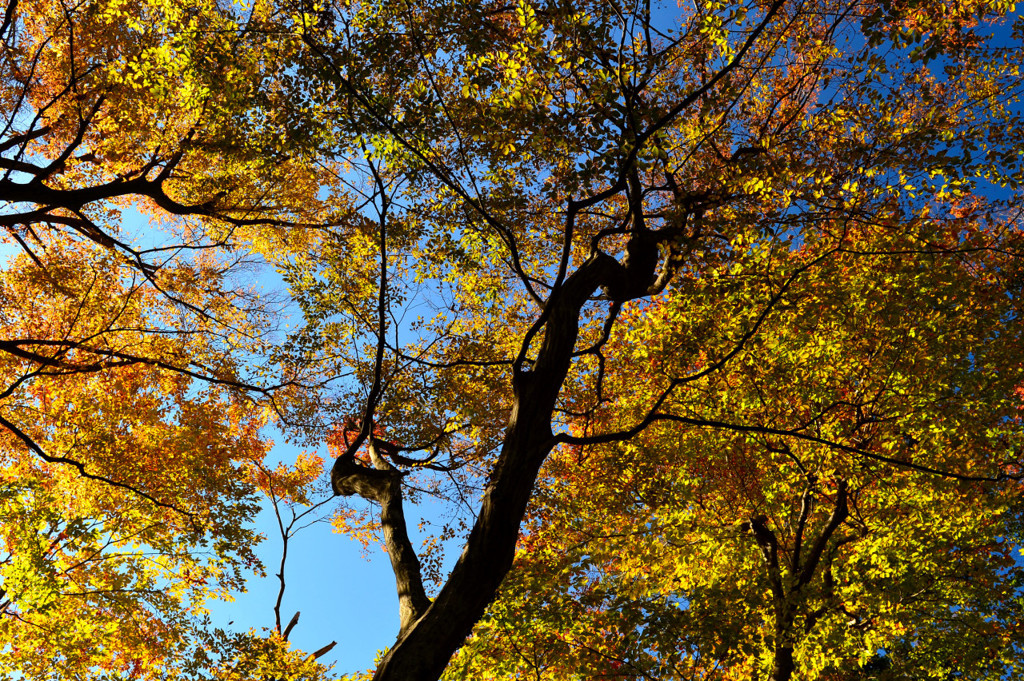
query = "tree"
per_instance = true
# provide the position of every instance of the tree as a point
(767, 550)
(472, 293)
(131, 449)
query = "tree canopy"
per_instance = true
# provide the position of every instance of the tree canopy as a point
(703, 321)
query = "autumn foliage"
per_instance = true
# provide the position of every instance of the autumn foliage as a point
(702, 321)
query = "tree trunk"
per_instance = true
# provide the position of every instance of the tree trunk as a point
(423, 652)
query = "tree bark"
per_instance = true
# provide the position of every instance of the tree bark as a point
(784, 666)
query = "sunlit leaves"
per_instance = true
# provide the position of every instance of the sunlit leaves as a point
(636, 557)
(780, 239)
(126, 487)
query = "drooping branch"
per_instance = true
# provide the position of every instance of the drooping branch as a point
(36, 449)
(112, 358)
(798, 434)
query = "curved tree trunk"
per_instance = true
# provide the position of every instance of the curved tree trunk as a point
(424, 650)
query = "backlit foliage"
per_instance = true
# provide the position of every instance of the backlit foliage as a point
(735, 286)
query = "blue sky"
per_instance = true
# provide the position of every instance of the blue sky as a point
(342, 595)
